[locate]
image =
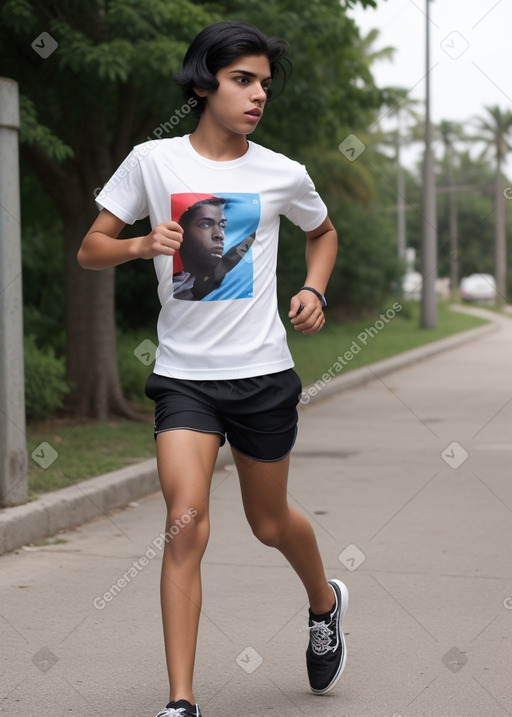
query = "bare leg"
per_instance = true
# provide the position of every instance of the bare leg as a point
(279, 525)
(186, 460)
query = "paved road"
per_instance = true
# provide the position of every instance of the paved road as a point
(407, 481)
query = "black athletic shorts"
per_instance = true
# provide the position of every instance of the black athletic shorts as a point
(257, 415)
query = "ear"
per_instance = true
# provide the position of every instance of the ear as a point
(200, 92)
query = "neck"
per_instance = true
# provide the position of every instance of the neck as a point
(216, 143)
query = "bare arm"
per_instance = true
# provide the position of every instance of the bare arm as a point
(101, 249)
(321, 250)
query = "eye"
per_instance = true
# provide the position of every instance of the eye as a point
(266, 88)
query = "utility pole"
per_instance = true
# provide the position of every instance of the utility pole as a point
(13, 448)
(429, 220)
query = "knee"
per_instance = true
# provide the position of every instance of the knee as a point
(269, 532)
(186, 531)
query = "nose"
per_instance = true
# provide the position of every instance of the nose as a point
(218, 234)
(259, 94)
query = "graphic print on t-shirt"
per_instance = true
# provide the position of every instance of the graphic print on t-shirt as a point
(215, 258)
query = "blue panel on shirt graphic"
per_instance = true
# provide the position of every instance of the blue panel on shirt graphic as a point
(243, 216)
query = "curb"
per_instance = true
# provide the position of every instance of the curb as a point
(69, 507)
(327, 386)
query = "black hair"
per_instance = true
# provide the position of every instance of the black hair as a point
(219, 45)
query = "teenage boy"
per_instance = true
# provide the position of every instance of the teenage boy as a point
(224, 369)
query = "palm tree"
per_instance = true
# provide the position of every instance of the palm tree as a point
(366, 46)
(399, 105)
(450, 133)
(352, 180)
(403, 109)
(496, 131)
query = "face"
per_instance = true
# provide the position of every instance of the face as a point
(237, 105)
(203, 238)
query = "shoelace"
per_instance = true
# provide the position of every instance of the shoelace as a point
(321, 637)
(172, 712)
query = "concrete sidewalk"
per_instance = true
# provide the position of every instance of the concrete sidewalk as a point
(83, 501)
(406, 480)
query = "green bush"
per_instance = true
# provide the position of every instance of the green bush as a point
(45, 383)
(133, 372)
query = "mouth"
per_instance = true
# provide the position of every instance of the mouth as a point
(254, 114)
(217, 252)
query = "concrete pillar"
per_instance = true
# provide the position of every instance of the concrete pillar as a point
(429, 210)
(13, 447)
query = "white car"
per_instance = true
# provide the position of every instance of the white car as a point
(478, 287)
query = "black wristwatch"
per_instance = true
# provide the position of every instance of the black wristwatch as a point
(316, 293)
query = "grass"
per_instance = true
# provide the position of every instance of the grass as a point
(86, 450)
(45, 543)
(371, 340)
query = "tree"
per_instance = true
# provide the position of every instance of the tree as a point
(399, 105)
(402, 108)
(451, 132)
(82, 109)
(495, 132)
(107, 87)
(475, 204)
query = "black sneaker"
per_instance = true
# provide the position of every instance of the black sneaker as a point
(326, 655)
(181, 708)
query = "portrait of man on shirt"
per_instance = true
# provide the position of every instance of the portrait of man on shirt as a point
(209, 252)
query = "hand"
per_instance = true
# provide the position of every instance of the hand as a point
(306, 313)
(165, 239)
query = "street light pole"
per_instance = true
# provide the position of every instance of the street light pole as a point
(429, 221)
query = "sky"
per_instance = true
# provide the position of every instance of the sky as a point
(469, 43)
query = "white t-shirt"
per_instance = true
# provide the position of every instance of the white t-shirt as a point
(219, 317)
